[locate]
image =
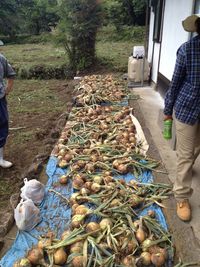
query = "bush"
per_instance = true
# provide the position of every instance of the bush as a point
(44, 72)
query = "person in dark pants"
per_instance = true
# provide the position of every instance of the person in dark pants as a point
(6, 72)
(184, 97)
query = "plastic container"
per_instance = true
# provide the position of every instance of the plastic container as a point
(167, 132)
(135, 69)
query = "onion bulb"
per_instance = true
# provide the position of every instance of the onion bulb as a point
(63, 164)
(81, 209)
(97, 179)
(77, 247)
(129, 261)
(36, 256)
(104, 223)
(22, 263)
(95, 187)
(78, 261)
(63, 179)
(158, 259)
(44, 242)
(145, 258)
(91, 227)
(65, 234)
(77, 220)
(140, 234)
(60, 256)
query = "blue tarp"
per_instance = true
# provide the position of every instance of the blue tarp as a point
(56, 214)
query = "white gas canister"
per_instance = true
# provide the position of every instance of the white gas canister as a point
(136, 69)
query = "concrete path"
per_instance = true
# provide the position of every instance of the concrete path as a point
(151, 105)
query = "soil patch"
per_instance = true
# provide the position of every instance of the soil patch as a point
(38, 111)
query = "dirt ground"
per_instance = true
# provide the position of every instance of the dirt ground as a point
(33, 131)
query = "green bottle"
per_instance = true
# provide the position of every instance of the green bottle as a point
(167, 133)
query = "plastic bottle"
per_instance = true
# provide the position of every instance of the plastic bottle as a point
(167, 133)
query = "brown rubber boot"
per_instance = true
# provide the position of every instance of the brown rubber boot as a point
(184, 210)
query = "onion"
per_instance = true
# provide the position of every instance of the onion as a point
(95, 187)
(129, 261)
(89, 167)
(91, 227)
(22, 263)
(107, 179)
(116, 163)
(81, 163)
(63, 164)
(60, 256)
(77, 220)
(77, 183)
(44, 242)
(84, 191)
(78, 261)
(151, 213)
(77, 247)
(94, 158)
(36, 256)
(81, 209)
(145, 258)
(63, 179)
(104, 223)
(122, 168)
(131, 246)
(115, 203)
(158, 259)
(68, 157)
(65, 234)
(146, 244)
(73, 198)
(135, 200)
(97, 179)
(88, 185)
(140, 234)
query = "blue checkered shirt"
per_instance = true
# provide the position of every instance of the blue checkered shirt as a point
(184, 92)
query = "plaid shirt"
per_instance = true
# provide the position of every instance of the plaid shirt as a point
(184, 92)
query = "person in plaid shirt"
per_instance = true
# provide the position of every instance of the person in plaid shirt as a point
(183, 97)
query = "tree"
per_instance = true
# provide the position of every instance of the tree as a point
(38, 15)
(78, 26)
(8, 17)
(125, 12)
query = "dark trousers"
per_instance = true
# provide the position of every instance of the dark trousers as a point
(3, 121)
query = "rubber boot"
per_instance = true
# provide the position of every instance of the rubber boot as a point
(4, 163)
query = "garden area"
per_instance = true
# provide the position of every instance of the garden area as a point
(71, 127)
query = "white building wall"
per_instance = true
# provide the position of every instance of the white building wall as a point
(173, 34)
(153, 50)
(150, 45)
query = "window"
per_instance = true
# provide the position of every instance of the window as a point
(197, 7)
(158, 11)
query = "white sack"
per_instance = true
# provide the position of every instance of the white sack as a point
(26, 215)
(140, 137)
(33, 190)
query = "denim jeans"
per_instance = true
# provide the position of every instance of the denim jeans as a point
(3, 121)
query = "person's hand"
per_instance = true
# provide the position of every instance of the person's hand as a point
(168, 117)
(8, 89)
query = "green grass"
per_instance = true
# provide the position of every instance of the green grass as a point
(29, 55)
(112, 50)
(35, 97)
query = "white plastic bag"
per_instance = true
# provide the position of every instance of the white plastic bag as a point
(33, 190)
(27, 215)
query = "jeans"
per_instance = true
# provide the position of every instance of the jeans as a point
(3, 121)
